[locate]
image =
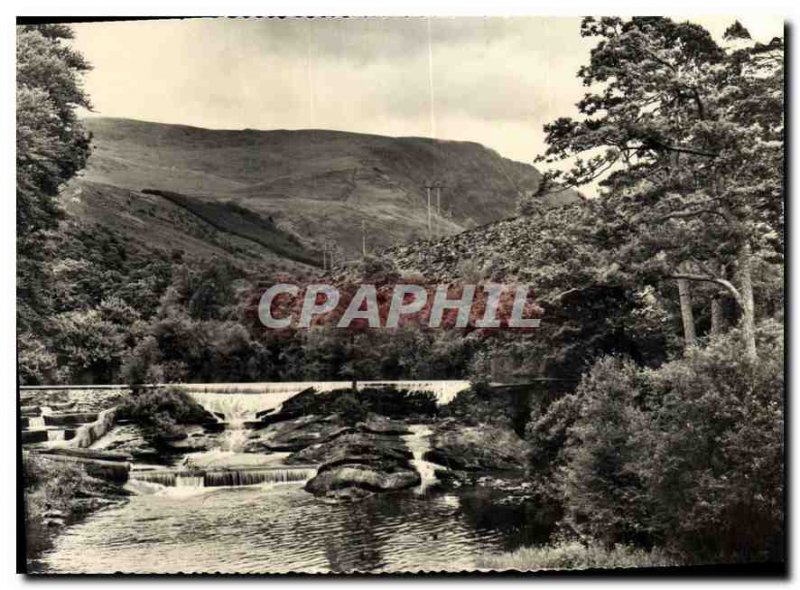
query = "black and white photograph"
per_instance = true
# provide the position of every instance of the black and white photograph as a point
(400, 295)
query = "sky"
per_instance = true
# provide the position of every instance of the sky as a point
(495, 81)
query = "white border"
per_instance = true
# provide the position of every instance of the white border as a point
(309, 7)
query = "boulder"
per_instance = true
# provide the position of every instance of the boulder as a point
(377, 424)
(195, 439)
(294, 435)
(363, 477)
(358, 463)
(478, 448)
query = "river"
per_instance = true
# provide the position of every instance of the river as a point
(281, 528)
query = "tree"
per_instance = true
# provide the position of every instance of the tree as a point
(52, 146)
(686, 140)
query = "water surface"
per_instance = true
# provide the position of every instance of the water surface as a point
(282, 528)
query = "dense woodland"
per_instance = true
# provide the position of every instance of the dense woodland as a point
(664, 294)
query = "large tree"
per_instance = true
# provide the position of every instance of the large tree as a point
(52, 146)
(685, 137)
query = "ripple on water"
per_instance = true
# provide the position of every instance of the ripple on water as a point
(273, 529)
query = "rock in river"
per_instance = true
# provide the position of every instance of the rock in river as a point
(356, 464)
(478, 448)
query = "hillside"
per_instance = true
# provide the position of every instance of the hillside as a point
(517, 249)
(300, 187)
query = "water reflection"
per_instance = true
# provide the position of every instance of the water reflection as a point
(282, 528)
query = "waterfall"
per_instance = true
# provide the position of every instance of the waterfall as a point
(418, 442)
(189, 480)
(161, 477)
(250, 477)
(55, 435)
(37, 422)
(236, 409)
(225, 477)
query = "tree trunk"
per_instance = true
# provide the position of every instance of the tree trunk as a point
(717, 319)
(748, 305)
(686, 313)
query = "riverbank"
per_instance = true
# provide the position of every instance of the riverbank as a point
(60, 494)
(573, 555)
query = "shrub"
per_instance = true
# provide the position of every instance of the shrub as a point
(398, 403)
(548, 433)
(354, 406)
(483, 404)
(162, 411)
(688, 456)
(603, 490)
(567, 555)
(716, 451)
(348, 406)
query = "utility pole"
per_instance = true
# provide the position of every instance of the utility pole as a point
(363, 238)
(438, 210)
(428, 188)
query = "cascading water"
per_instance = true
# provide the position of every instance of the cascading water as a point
(37, 422)
(225, 477)
(190, 480)
(56, 435)
(163, 478)
(236, 410)
(418, 442)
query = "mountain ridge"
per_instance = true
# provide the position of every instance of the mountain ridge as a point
(318, 186)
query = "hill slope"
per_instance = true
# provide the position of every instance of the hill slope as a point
(307, 186)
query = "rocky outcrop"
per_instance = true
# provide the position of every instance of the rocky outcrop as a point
(377, 424)
(355, 481)
(295, 435)
(478, 448)
(359, 463)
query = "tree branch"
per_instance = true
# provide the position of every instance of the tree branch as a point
(709, 279)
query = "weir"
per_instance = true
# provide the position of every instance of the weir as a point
(226, 477)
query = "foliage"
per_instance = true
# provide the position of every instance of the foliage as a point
(349, 407)
(572, 555)
(52, 147)
(162, 411)
(687, 137)
(60, 490)
(355, 405)
(688, 456)
(503, 406)
(548, 432)
(603, 491)
(716, 440)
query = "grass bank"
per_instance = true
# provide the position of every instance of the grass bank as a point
(58, 494)
(572, 555)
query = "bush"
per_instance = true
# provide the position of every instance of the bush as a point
(348, 406)
(398, 403)
(568, 555)
(716, 461)
(603, 490)
(548, 433)
(476, 405)
(688, 457)
(354, 406)
(163, 411)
